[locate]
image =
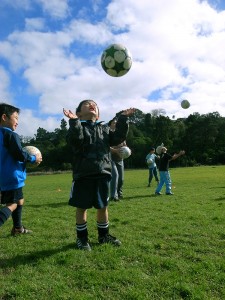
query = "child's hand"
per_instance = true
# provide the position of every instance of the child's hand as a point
(128, 112)
(182, 152)
(69, 114)
(38, 158)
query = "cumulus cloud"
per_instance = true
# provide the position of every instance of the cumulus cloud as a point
(56, 8)
(177, 49)
(4, 85)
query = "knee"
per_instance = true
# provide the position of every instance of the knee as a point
(12, 206)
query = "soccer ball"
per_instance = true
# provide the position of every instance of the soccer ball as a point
(116, 60)
(185, 104)
(32, 151)
(149, 162)
(125, 152)
(159, 149)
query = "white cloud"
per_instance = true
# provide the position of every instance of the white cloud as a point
(4, 85)
(32, 24)
(24, 4)
(55, 8)
(177, 48)
(29, 123)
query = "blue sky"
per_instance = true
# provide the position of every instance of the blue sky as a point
(50, 57)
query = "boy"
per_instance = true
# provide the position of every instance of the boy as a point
(90, 142)
(150, 160)
(12, 168)
(164, 173)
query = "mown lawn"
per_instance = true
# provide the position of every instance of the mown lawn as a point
(172, 246)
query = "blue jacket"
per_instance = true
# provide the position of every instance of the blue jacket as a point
(12, 160)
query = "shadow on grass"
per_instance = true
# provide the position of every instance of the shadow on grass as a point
(140, 196)
(32, 258)
(216, 187)
(220, 198)
(51, 205)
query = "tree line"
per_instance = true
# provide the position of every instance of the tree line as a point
(201, 136)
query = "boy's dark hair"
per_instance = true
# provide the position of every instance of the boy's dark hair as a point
(8, 109)
(78, 109)
(152, 149)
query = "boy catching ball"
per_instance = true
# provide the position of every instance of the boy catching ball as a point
(90, 143)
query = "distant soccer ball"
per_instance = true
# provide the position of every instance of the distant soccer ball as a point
(185, 104)
(116, 60)
(149, 162)
(32, 151)
(125, 152)
(159, 149)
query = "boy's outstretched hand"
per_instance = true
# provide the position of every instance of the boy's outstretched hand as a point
(128, 112)
(69, 114)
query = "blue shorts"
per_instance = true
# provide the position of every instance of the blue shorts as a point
(90, 192)
(12, 196)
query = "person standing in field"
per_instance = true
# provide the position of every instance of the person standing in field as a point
(12, 168)
(164, 173)
(90, 143)
(150, 160)
(116, 183)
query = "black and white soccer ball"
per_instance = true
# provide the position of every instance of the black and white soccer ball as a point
(116, 60)
(32, 151)
(185, 104)
(149, 162)
(125, 152)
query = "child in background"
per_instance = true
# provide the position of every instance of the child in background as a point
(150, 160)
(164, 173)
(116, 183)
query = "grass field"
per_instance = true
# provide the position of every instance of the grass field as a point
(172, 246)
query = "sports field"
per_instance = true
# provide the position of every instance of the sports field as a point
(172, 246)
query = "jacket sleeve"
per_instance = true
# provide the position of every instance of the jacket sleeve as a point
(13, 144)
(120, 134)
(75, 134)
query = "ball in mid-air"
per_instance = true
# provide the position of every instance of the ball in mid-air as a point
(185, 104)
(116, 60)
(32, 151)
(159, 149)
(125, 152)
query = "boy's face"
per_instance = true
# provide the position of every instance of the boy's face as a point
(11, 121)
(89, 111)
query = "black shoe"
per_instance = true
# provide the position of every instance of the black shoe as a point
(169, 193)
(120, 196)
(83, 244)
(109, 239)
(114, 199)
(21, 230)
(158, 193)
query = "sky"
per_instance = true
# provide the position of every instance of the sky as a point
(50, 57)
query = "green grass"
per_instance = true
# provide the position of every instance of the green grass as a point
(172, 246)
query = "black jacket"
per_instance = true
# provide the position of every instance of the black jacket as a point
(90, 143)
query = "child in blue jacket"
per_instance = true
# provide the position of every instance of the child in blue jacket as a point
(12, 168)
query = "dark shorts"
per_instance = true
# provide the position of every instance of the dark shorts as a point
(90, 192)
(12, 196)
